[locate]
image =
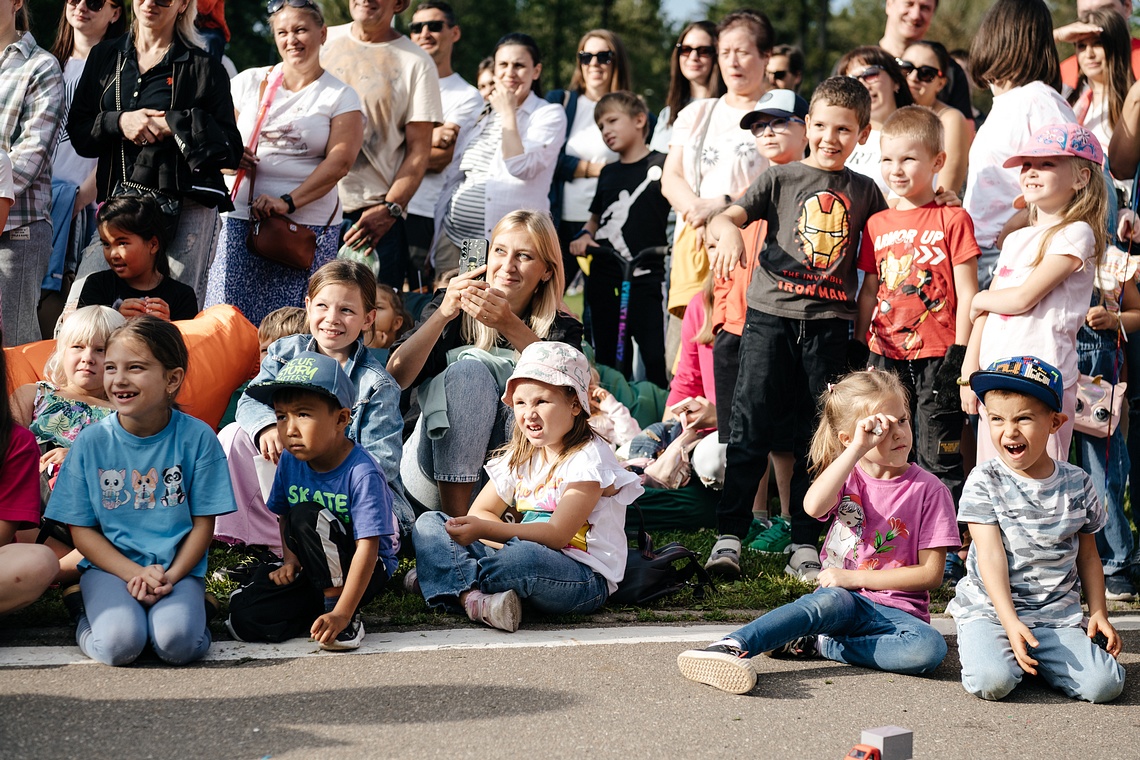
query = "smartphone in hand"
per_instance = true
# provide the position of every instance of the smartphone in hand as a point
(473, 254)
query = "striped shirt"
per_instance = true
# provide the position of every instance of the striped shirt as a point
(465, 215)
(31, 111)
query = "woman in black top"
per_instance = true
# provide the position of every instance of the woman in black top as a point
(501, 308)
(156, 111)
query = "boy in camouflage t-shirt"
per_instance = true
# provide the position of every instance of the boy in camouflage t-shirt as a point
(1033, 522)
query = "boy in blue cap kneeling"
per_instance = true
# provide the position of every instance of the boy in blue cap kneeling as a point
(338, 530)
(1033, 520)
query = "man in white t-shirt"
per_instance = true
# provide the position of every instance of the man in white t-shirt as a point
(399, 91)
(435, 29)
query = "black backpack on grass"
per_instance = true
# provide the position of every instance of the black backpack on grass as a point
(652, 574)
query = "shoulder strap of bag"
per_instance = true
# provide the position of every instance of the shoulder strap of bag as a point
(706, 121)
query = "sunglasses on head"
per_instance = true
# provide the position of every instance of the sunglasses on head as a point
(702, 51)
(605, 58)
(924, 73)
(779, 124)
(275, 5)
(93, 5)
(417, 27)
(869, 74)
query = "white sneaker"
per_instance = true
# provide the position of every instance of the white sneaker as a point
(724, 667)
(804, 563)
(502, 610)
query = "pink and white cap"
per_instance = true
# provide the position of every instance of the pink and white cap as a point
(1060, 140)
(555, 363)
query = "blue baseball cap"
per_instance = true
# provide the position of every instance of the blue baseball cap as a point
(308, 371)
(1021, 374)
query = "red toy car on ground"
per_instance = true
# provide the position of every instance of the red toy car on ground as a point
(864, 752)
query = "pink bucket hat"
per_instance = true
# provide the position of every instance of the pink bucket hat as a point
(555, 363)
(1060, 140)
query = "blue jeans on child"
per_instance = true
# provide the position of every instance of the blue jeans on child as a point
(852, 629)
(1067, 659)
(545, 579)
(116, 627)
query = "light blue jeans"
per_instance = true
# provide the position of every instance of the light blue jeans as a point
(851, 629)
(544, 579)
(1067, 659)
(116, 628)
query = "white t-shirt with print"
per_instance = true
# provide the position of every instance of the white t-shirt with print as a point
(866, 160)
(1015, 116)
(585, 142)
(729, 161)
(1048, 330)
(294, 138)
(461, 104)
(535, 493)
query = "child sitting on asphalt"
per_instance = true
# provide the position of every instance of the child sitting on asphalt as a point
(884, 552)
(338, 530)
(1034, 522)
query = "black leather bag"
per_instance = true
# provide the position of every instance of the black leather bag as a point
(652, 574)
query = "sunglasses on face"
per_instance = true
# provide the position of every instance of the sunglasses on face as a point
(777, 75)
(779, 125)
(417, 27)
(92, 5)
(275, 5)
(605, 58)
(702, 51)
(869, 74)
(924, 73)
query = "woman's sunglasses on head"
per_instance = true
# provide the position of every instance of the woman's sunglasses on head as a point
(924, 73)
(275, 5)
(702, 51)
(869, 74)
(417, 27)
(605, 57)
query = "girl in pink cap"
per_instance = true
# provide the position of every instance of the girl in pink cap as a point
(568, 552)
(1040, 292)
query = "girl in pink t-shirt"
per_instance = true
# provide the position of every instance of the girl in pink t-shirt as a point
(1040, 293)
(884, 552)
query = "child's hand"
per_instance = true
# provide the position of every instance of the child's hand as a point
(969, 399)
(132, 307)
(701, 210)
(138, 589)
(1098, 623)
(837, 577)
(945, 197)
(328, 626)
(1020, 639)
(156, 579)
(579, 245)
(285, 574)
(725, 246)
(1128, 226)
(975, 312)
(270, 444)
(1100, 318)
(464, 530)
(599, 394)
(53, 458)
(156, 307)
(870, 431)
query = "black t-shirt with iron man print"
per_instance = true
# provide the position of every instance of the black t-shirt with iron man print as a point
(815, 221)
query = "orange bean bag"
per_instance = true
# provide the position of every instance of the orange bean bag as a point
(223, 354)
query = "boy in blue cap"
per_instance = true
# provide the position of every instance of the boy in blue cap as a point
(338, 530)
(1033, 521)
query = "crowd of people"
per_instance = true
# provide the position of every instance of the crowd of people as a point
(906, 314)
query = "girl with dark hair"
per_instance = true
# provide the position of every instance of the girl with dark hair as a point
(883, 78)
(138, 282)
(693, 75)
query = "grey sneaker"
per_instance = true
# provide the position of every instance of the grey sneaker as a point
(724, 559)
(1119, 588)
(502, 610)
(412, 582)
(721, 665)
(802, 648)
(804, 562)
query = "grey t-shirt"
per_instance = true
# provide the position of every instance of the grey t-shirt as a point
(815, 221)
(1040, 521)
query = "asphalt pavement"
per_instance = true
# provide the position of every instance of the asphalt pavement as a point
(542, 694)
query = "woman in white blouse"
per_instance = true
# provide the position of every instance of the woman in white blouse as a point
(310, 137)
(505, 161)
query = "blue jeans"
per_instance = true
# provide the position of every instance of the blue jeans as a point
(1067, 659)
(1096, 355)
(852, 629)
(116, 628)
(391, 251)
(545, 579)
(479, 423)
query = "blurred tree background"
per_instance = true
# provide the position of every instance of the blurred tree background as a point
(824, 29)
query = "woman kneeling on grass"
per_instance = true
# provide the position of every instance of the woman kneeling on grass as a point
(886, 548)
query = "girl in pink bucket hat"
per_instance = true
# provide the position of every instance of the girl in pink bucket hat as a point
(568, 553)
(1043, 284)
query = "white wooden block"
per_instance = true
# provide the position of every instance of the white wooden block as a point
(894, 742)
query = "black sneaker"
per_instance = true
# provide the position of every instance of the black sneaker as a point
(349, 638)
(1119, 588)
(802, 648)
(723, 666)
(73, 603)
(213, 607)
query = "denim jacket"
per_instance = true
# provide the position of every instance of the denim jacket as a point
(376, 424)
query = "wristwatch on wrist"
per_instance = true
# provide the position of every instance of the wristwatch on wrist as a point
(395, 209)
(289, 201)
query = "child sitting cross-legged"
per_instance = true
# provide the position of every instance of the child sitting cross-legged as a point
(1034, 522)
(884, 552)
(338, 530)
